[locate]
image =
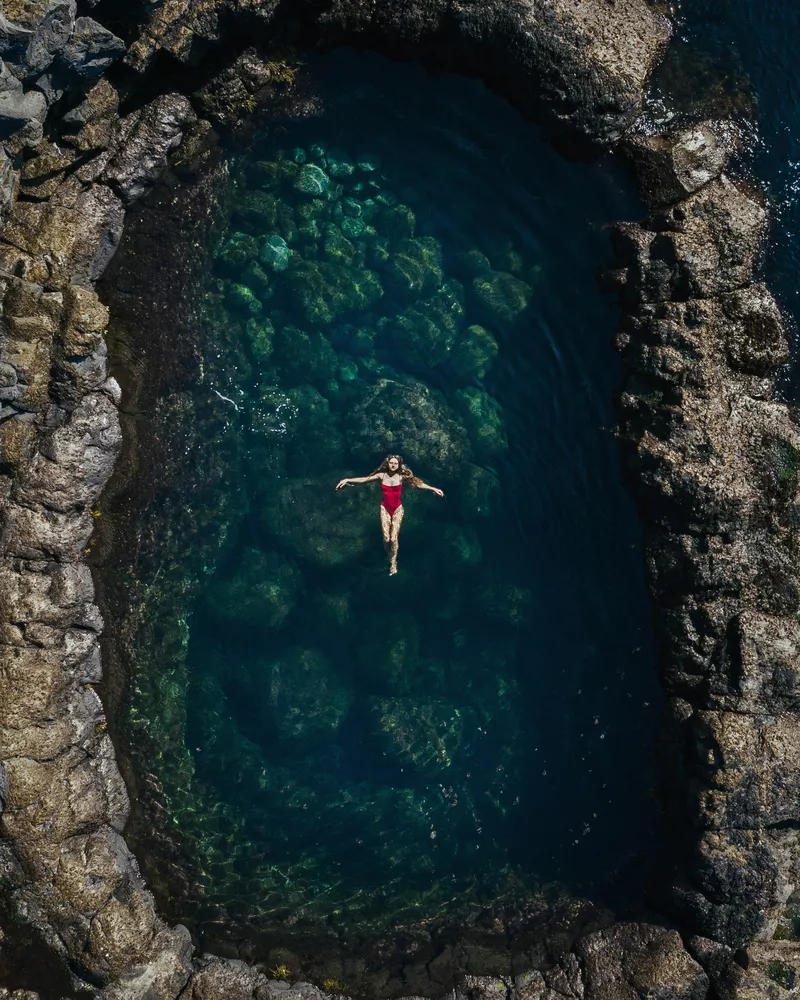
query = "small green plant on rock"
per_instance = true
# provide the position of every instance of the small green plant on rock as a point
(782, 974)
(787, 463)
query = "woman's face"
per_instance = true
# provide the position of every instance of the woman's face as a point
(394, 465)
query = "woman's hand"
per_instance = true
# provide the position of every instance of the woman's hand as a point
(341, 483)
(437, 491)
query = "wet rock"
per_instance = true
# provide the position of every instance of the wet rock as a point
(150, 136)
(42, 175)
(591, 61)
(164, 972)
(22, 113)
(91, 48)
(9, 180)
(699, 248)
(757, 342)
(72, 236)
(628, 959)
(672, 165)
(47, 45)
(93, 124)
(225, 979)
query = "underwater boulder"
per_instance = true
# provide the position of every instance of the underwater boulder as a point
(331, 607)
(473, 355)
(261, 594)
(286, 222)
(415, 268)
(325, 291)
(235, 253)
(394, 221)
(319, 524)
(311, 180)
(307, 698)
(473, 262)
(315, 443)
(421, 732)
(378, 252)
(368, 162)
(462, 547)
(502, 294)
(483, 419)
(274, 253)
(352, 207)
(424, 334)
(314, 208)
(263, 174)
(339, 165)
(406, 416)
(257, 210)
(260, 337)
(306, 356)
(353, 228)
(336, 249)
(358, 340)
(388, 649)
(241, 299)
(255, 277)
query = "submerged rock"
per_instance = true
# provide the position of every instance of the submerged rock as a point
(484, 422)
(261, 594)
(319, 525)
(406, 416)
(421, 732)
(275, 253)
(311, 180)
(235, 253)
(307, 697)
(473, 355)
(502, 293)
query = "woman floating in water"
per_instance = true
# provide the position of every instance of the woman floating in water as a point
(392, 473)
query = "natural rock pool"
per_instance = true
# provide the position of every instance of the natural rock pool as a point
(313, 743)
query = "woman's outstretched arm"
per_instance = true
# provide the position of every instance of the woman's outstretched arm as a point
(424, 486)
(359, 479)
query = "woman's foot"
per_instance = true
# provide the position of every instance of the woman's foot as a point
(392, 568)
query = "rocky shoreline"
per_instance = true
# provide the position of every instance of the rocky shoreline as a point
(713, 463)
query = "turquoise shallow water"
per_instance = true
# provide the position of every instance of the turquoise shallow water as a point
(409, 269)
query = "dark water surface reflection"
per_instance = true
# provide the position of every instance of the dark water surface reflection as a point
(412, 270)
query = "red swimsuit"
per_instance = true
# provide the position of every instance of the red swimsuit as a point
(392, 498)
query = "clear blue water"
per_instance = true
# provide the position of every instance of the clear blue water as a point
(411, 269)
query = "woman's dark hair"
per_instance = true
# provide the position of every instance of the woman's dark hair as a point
(402, 470)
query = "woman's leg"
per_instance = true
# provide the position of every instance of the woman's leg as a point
(386, 528)
(394, 541)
